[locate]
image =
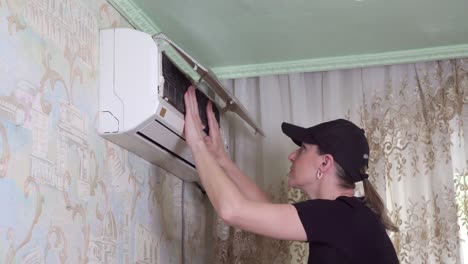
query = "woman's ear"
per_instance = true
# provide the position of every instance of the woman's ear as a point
(327, 161)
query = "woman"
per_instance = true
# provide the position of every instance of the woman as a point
(332, 157)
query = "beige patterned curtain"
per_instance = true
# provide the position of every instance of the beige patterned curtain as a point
(416, 119)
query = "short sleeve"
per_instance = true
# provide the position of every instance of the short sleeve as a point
(323, 220)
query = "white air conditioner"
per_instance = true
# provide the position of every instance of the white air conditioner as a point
(133, 111)
(141, 99)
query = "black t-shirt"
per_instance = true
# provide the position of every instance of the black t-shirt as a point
(344, 230)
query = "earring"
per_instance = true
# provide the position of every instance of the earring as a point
(319, 174)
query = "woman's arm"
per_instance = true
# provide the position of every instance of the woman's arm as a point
(248, 187)
(279, 221)
(214, 144)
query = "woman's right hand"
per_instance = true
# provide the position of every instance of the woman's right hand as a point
(214, 141)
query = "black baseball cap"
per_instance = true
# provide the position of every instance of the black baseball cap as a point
(340, 138)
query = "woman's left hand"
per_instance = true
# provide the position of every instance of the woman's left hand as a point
(193, 128)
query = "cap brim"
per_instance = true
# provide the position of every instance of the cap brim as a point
(298, 134)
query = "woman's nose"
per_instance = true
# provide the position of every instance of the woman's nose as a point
(292, 156)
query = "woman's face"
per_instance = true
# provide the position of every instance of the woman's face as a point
(304, 165)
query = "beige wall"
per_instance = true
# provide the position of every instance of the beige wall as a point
(67, 195)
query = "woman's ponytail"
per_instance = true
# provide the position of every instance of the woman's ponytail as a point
(375, 203)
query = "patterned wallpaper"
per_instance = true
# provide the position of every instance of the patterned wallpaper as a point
(66, 194)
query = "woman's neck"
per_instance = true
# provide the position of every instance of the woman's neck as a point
(330, 193)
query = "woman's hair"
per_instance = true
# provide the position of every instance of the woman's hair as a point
(372, 198)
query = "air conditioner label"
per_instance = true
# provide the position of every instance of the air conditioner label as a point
(163, 111)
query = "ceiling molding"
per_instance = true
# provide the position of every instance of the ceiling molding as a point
(343, 62)
(135, 16)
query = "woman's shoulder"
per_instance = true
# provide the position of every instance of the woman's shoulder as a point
(342, 204)
(352, 201)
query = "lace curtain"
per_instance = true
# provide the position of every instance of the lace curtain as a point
(416, 119)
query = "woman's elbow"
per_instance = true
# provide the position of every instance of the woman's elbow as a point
(229, 214)
(226, 215)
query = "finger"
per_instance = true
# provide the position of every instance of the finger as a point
(212, 122)
(186, 101)
(207, 139)
(196, 111)
(189, 101)
(188, 112)
(190, 116)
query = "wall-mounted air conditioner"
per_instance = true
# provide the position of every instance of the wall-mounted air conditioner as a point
(141, 99)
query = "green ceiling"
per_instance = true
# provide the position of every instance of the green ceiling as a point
(243, 38)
